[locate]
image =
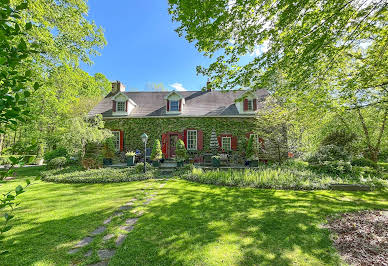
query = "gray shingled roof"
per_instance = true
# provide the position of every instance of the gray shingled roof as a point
(197, 103)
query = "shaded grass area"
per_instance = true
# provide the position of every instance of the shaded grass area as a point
(187, 223)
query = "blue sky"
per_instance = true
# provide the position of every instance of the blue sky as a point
(143, 48)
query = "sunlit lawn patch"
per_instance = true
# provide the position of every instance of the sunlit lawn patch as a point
(186, 223)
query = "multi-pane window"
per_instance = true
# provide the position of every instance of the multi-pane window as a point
(192, 140)
(174, 105)
(255, 138)
(120, 106)
(250, 105)
(226, 143)
(116, 140)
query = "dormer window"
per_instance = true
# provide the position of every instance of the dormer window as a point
(250, 105)
(174, 105)
(174, 102)
(120, 106)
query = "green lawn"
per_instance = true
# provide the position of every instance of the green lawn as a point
(186, 223)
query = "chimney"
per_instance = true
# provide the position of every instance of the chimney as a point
(208, 86)
(117, 86)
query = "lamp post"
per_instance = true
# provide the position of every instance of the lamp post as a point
(144, 138)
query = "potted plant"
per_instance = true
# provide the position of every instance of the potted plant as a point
(130, 158)
(156, 153)
(216, 161)
(251, 152)
(108, 152)
(181, 153)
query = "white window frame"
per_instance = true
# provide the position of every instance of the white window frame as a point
(256, 138)
(250, 105)
(117, 139)
(195, 147)
(118, 103)
(171, 101)
(230, 143)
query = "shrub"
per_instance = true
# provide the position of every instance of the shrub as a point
(280, 177)
(103, 175)
(139, 168)
(58, 162)
(364, 162)
(156, 154)
(339, 138)
(328, 153)
(59, 152)
(109, 149)
(333, 167)
(181, 153)
(91, 163)
(251, 150)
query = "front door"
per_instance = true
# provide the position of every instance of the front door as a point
(173, 140)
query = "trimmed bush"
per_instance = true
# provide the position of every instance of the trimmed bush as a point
(58, 162)
(156, 153)
(328, 153)
(103, 175)
(139, 167)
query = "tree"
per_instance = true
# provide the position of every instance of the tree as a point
(83, 131)
(317, 55)
(180, 151)
(15, 57)
(273, 125)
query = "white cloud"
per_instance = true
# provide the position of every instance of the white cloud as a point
(260, 49)
(178, 86)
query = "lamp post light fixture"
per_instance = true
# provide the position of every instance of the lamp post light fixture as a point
(144, 138)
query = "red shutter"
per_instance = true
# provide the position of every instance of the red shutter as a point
(219, 141)
(185, 137)
(245, 104)
(262, 143)
(234, 143)
(121, 140)
(199, 140)
(254, 104)
(114, 106)
(180, 105)
(126, 106)
(248, 135)
(164, 145)
(168, 105)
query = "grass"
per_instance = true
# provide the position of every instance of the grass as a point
(187, 223)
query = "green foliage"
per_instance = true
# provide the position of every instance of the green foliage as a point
(59, 152)
(328, 153)
(156, 153)
(333, 167)
(83, 131)
(339, 138)
(108, 150)
(24, 159)
(57, 162)
(180, 151)
(364, 162)
(134, 127)
(15, 60)
(250, 152)
(103, 175)
(130, 154)
(286, 176)
(139, 167)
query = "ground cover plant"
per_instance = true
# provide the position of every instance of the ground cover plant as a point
(74, 174)
(294, 175)
(187, 223)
